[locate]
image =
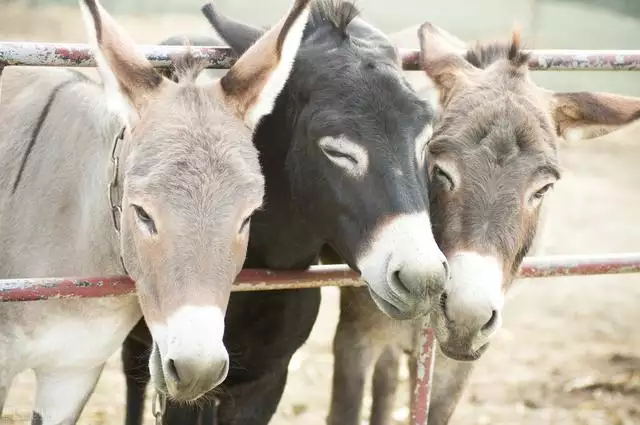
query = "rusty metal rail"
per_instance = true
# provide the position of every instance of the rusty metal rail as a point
(317, 276)
(79, 55)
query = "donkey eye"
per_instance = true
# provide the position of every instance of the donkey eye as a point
(539, 194)
(145, 219)
(440, 175)
(336, 154)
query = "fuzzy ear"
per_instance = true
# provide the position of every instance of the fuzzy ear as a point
(239, 36)
(128, 77)
(254, 82)
(442, 60)
(584, 115)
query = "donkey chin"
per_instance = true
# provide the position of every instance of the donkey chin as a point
(459, 342)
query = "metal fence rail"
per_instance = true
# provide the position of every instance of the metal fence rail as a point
(75, 54)
(79, 55)
(35, 289)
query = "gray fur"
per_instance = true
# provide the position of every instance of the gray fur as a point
(188, 181)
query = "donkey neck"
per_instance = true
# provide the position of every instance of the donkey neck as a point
(281, 238)
(64, 183)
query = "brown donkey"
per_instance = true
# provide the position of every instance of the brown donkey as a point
(183, 178)
(491, 160)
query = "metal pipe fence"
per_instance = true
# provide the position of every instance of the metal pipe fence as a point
(37, 289)
(79, 55)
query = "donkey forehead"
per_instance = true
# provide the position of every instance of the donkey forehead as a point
(356, 87)
(506, 123)
(189, 117)
(368, 103)
(196, 159)
(180, 187)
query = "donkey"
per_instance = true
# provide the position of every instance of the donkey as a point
(180, 180)
(492, 159)
(341, 164)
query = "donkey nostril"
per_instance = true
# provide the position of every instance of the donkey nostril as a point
(398, 283)
(396, 276)
(492, 321)
(443, 305)
(172, 371)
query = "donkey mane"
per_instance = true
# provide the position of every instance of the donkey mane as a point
(484, 54)
(186, 67)
(338, 13)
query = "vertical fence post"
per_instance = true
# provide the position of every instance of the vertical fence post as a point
(1, 69)
(425, 363)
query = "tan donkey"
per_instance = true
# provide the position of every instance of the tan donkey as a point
(492, 158)
(183, 178)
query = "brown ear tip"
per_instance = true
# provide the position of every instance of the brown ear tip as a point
(300, 5)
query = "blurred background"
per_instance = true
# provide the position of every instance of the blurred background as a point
(570, 349)
(550, 24)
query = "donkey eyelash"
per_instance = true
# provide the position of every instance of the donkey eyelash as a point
(339, 154)
(539, 194)
(142, 213)
(145, 219)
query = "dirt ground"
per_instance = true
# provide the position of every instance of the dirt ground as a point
(569, 352)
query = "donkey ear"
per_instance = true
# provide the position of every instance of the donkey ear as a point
(254, 82)
(127, 75)
(442, 60)
(238, 36)
(584, 115)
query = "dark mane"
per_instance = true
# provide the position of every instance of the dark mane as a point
(484, 54)
(338, 13)
(186, 67)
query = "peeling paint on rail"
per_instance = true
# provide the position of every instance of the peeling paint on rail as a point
(560, 60)
(222, 57)
(80, 55)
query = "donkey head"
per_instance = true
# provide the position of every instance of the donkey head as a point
(191, 181)
(353, 134)
(492, 159)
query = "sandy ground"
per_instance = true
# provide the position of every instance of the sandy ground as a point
(569, 352)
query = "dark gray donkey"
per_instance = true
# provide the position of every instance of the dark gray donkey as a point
(492, 158)
(348, 172)
(165, 188)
